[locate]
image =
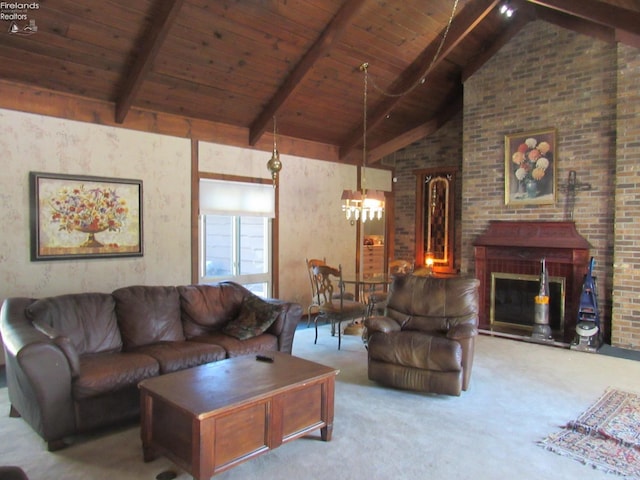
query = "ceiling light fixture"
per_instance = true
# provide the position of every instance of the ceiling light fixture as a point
(507, 10)
(274, 165)
(369, 204)
(363, 204)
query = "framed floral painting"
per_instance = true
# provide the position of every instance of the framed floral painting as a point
(530, 168)
(74, 217)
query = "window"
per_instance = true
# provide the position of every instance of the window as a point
(237, 248)
(235, 234)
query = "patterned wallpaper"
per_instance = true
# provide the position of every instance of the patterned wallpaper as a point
(37, 143)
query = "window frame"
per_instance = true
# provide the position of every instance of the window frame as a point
(236, 276)
(195, 219)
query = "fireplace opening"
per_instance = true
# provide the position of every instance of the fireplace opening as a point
(512, 304)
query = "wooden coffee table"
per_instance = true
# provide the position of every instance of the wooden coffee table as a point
(210, 418)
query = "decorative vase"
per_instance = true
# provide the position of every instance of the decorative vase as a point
(91, 239)
(532, 188)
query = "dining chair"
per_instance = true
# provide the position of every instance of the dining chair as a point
(315, 297)
(377, 301)
(335, 308)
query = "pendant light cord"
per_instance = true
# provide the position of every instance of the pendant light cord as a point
(365, 68)
(423, 77)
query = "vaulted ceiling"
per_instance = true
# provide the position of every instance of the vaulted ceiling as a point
(235, 65)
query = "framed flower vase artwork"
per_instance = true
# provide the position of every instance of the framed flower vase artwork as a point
(79, 217)
(530, 168)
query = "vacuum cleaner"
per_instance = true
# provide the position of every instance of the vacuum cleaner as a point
(588, 336)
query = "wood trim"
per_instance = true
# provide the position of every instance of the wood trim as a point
(23, 98)
(275, 245)
(195, 208)
(597, 12)
(448, 267)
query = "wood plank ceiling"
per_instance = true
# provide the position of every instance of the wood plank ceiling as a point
(234, 65)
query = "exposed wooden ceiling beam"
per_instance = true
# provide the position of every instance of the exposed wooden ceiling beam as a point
(30, 99)
(462, 25)
(628, 38)
(522, 16)
(332, 32)
(451, 108)
(576, 24)
(151, 45)
(597, 12)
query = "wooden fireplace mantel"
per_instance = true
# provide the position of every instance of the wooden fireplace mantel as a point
(532, 234)
(518, 246)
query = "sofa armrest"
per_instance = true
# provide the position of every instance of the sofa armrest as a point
(63, 343)
(381, 324)
(38, 374)
(285, 325)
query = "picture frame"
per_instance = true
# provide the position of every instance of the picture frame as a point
(530, 167)
(84, 217)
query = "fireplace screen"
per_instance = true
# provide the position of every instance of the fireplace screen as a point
(513, 305)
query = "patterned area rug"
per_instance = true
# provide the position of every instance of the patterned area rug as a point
(606, 436)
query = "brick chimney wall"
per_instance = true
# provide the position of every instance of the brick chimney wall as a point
(547, 77)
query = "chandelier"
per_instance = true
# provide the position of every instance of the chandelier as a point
(363, 204)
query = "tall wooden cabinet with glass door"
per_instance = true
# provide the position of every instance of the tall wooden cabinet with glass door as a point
(435, 220)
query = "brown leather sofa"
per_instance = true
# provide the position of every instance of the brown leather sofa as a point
(425, 341)
(73, 362)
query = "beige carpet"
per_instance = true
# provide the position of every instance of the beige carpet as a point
(520, 392)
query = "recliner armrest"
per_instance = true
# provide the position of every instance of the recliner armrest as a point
(381, 324)
(461, 331)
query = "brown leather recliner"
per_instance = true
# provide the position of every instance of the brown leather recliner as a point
(426, 339)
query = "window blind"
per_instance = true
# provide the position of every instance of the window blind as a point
(220, 197)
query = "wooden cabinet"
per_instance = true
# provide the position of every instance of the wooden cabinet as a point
(435, 218)
(372, 260)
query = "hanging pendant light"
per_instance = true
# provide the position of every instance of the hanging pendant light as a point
(274, 165)
(363, 204)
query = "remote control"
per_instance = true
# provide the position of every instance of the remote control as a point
(264, 358)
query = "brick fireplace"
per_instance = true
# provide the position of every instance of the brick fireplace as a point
(513, 250)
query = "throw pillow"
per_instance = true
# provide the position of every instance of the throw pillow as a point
(255, 317)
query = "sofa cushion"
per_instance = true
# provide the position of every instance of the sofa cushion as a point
(105, 373)
(235, 348)
(255, 317)
(148, 314)
(207, 308)
(174, 356)
(88, 319)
